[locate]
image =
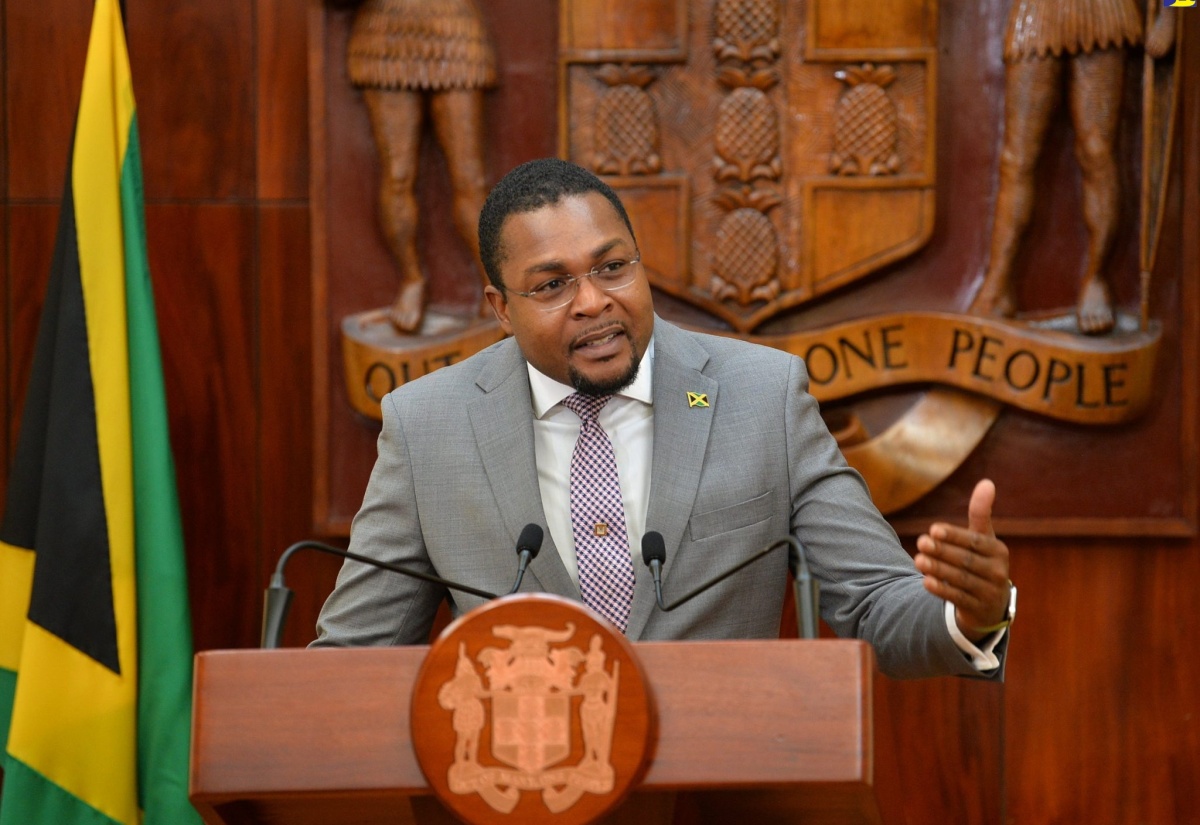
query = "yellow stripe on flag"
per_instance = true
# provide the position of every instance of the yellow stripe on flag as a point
(16, 580)
(77, 724)
(84, 738)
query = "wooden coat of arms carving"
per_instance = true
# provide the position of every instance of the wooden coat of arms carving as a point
(827, 178)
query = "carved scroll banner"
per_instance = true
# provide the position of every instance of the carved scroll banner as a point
(776, 157)
(994, 362)
(376, 360)
(1035, 368)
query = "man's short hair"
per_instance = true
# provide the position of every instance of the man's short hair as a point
(530, 186)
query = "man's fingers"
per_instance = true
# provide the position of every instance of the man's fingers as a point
(954, 543)
(963, 600)
(979, 511)
(959, 573)
(947, 535)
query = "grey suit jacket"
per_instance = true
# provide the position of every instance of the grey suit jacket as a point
(455, 481)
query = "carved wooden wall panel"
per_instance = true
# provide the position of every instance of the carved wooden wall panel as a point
(29, 265)
(214, 125)
(651, 29)
(1102, 707)
(211, 374)
(281, 101)
(285, 383)
(46, 62)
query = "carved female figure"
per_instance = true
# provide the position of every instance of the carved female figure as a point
(1079, 45)
(405, 54)
(596, 711)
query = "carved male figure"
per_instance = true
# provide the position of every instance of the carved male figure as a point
(406, 54)
(463, 696)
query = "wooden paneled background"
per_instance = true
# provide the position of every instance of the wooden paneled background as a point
(1103, 694)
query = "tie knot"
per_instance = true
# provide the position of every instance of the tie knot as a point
(587, 407)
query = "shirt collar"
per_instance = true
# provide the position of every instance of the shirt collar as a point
(547, 393)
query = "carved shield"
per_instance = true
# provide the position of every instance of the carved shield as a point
(768, 151)
(531, 730)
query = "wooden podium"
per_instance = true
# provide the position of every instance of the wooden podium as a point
(747, 731)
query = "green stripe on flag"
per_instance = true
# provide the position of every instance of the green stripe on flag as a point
(164, 625)
(30, 797)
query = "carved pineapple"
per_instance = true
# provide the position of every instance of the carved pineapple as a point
(627, 131)
(747, 250)
(747, 137)
(746, 30)
(866, 132)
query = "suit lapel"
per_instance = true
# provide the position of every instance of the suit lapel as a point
(680, 436)
(502, 422)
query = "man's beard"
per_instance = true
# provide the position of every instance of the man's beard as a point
(587, 386)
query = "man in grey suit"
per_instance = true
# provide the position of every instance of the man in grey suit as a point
(717, 444)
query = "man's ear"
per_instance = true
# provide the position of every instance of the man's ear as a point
(499, 306)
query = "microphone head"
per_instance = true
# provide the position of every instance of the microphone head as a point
(530, 540)
(653, 548)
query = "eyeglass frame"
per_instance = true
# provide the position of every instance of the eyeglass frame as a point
(574, 280)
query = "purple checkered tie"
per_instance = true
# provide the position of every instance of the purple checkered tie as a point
(598, 516)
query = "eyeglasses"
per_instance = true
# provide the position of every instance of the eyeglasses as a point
(559, 290)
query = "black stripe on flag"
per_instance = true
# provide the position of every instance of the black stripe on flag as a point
(55, 502)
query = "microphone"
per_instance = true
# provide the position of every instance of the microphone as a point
(528, 545)
(278, 597)
(654, 553)
(808, 595)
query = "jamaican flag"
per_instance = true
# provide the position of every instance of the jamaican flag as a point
(95, 637)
